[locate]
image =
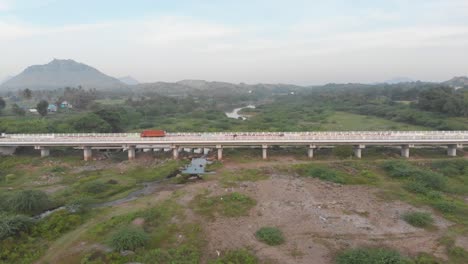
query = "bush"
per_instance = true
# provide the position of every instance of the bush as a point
(240, 256)
(270, 235)
(11, 225)
(325, 174)
(431, 180)
(445, 206)
(56, 224)
(129, 239)
(180, 254)
(370, 256)
(398, 169)
(418, 219)
(28, 202)
(95, 187)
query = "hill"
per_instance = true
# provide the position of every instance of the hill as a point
(397, 80)
(129, 80)
(59, 74)
(461, 81)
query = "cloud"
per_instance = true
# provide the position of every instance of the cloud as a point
(4, 6)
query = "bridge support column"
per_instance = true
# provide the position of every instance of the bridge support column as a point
(358, 150)
(45, 152)
(175, 152)
(405, 151)
(310, 151)
(220, 152)
(452, 149)
(87, 153)
(131, 152)
(264, 152)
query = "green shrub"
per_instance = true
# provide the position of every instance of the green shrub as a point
(239, 256)
(28, 202)
(418, 219)
(370, 256)
(416, 187)
(270, 235)
(325, 174)
(11, 225)
(181, 254)
(56, 224)
(445, 206)
(94, 187)
(398, 169)
(129, 239)
(431, 180)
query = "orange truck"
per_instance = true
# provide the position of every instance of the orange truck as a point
(153, 133)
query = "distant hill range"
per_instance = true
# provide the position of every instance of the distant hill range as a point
(60, 74)
(397, 80)
(129, 80)
(457, 82)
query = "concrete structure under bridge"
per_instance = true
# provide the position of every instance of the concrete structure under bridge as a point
(205, 142)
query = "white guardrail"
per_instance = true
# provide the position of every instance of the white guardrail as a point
(241, 136)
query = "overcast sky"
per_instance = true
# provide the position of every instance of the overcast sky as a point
(300, 42)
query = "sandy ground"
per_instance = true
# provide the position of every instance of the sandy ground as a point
(317, 219)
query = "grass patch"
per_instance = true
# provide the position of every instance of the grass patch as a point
(230, 205)
(348, 172)
(129, 238)
(270, 235)
(370, 256)
(233, 177)
(418, 219)
(238, 256)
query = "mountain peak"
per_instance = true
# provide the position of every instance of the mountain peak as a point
(60, 73)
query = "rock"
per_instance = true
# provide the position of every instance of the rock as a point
(126, 253)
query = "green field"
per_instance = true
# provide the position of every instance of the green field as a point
(349, 121)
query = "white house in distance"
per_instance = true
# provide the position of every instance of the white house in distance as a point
(66, 105)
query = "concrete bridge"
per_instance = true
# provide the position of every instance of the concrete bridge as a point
(205, 142)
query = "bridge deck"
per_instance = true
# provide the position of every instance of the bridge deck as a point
(240, 138)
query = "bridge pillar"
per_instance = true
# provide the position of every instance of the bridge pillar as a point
(264, 152)
(310, 151)
(358, 150)
(87, 153)
(45, 152)
(131, 152)
(405, 151)
(175, 152)
(452, 149)
(220, 152)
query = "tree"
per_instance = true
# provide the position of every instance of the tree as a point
(112, 117)
(27, 94)
(2, 104)
(17, 110)
(42, 107)
(90, 123)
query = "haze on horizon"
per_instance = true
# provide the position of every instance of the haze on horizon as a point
(296, 41)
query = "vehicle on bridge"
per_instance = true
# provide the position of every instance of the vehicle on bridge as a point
(153, 133)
